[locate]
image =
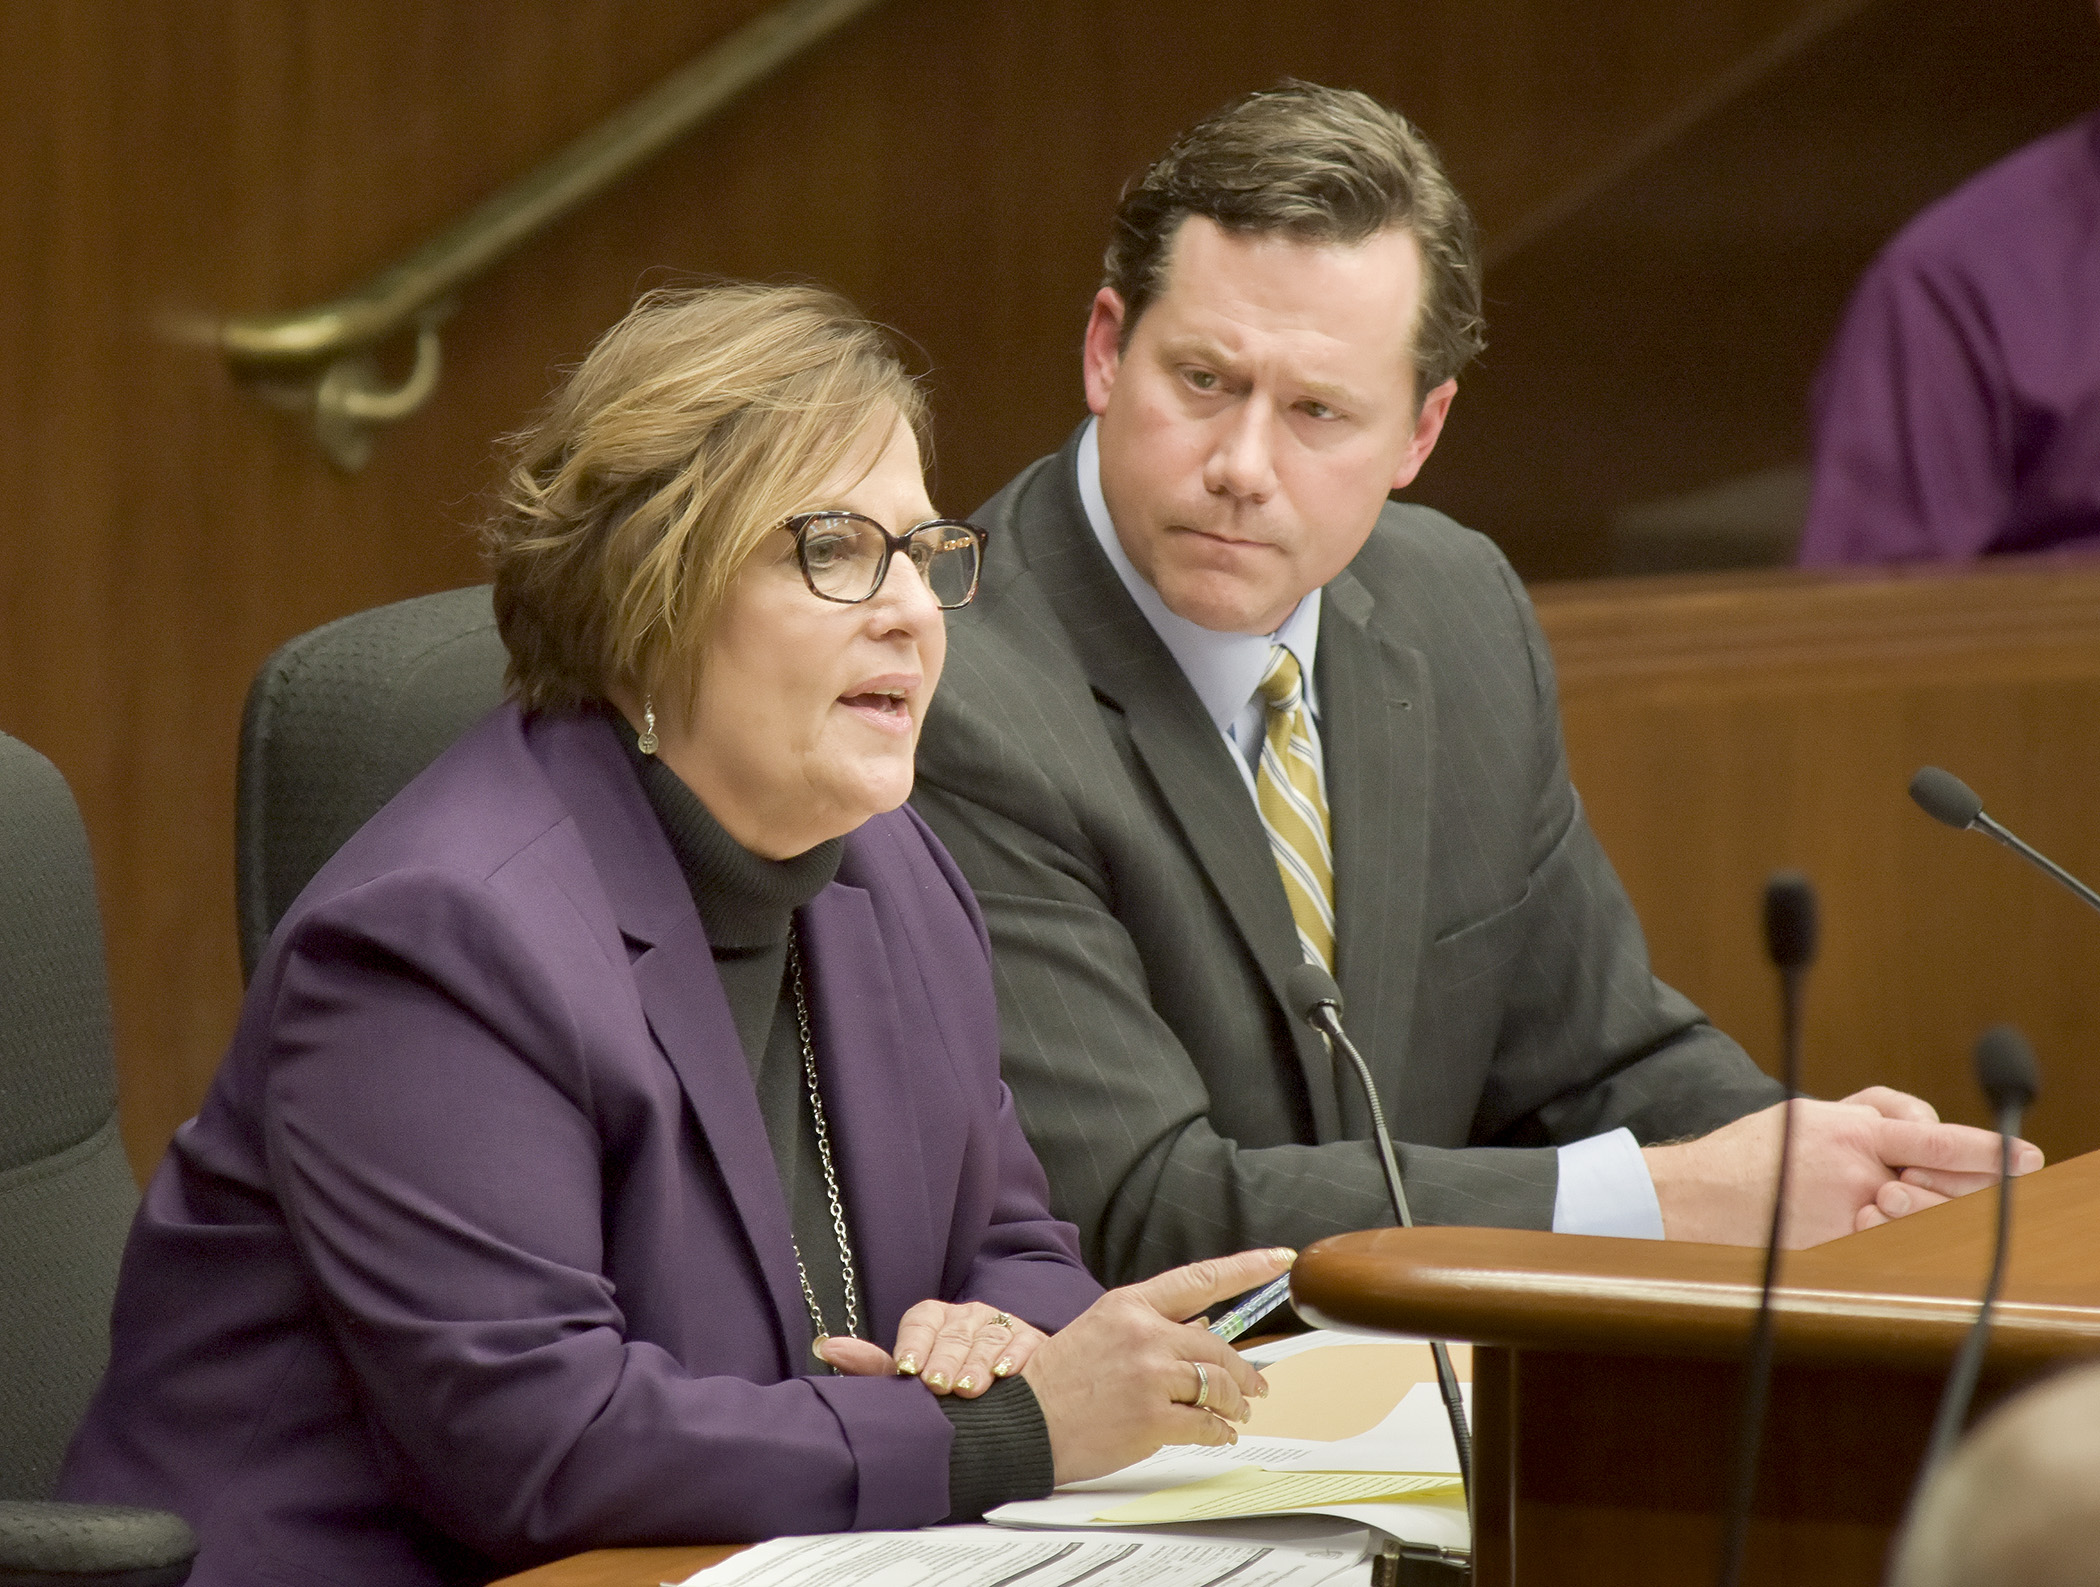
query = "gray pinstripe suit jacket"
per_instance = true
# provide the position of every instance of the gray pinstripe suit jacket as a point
(1495, 976)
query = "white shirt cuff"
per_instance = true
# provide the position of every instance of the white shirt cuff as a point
(1605, 1189)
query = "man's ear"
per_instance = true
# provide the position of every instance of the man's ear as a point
(1102, 356)
(1429, 424)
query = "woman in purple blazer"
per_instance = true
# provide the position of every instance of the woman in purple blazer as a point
(612, 1149)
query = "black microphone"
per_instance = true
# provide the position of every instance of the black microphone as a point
(1318, 1001)
(1790, 943)
(2006, 1070)
(1945, 797)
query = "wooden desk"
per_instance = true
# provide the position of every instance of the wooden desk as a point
(625, 1567)
(1606, 1375)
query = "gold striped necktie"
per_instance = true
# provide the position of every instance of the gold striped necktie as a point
(1291, 788)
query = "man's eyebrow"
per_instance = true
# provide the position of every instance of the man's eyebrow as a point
(1202, 350)
(1326, 392)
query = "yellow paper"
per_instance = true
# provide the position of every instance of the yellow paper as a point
(1247, 1490)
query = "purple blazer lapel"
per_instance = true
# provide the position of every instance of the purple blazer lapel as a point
(683, 1001)
(681, 996)
(865, 1064)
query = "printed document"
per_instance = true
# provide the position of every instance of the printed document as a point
(969, 1556)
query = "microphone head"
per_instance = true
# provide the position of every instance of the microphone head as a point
(1945, 797)
(1790, 920)
(1308, 988)
(2006, 1069)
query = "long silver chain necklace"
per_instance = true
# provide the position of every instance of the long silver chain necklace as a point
(831, 1180)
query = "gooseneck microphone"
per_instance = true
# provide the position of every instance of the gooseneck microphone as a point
(2006, 1070)
(1945, 797)
(1790, 943)
(1317, 1000)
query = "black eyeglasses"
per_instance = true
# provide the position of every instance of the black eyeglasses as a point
(845, 556)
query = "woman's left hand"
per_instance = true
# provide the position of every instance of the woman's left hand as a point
(952, 1348)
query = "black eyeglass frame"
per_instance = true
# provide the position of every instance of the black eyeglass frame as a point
(893, 545)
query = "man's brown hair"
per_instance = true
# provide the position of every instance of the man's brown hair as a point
(1320, 165)
(659, 468)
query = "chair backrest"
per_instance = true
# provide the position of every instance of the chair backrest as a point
(338, 721)
(66, 1191)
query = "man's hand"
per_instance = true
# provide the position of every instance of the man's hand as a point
(1874, 1156)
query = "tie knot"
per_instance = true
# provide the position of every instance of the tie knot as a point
(1280, 685)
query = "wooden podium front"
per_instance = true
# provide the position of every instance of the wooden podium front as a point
(1607, 1375)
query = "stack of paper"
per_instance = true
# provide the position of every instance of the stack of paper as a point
(1352, 1442)
(1393, 1467)
(967, 1556)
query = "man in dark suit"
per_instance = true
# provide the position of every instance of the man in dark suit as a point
(1220, 706)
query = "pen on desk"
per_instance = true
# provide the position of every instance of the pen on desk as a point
(1253, 1309)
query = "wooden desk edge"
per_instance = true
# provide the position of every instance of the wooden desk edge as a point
(625, 1567)
(1903, 1295)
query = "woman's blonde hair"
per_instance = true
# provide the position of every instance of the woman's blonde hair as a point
(659, 467)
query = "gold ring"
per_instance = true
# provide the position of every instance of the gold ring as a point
(1001, 1320)
(1202, 1385)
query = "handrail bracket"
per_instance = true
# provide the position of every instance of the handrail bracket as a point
(346, 396)
(319, 360)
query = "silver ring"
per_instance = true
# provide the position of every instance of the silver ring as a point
(1202, 1385)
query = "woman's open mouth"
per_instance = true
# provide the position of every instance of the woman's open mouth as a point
(886, 707)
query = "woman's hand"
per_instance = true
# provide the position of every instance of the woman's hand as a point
(951, 1348)
(1124, 1377)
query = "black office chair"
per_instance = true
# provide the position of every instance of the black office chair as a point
(338, 721)
(66, 1197)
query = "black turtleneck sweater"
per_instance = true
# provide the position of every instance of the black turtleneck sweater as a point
(747, 904)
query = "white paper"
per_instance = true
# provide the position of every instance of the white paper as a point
(1289, 1345)
(967, 1556)
(1414, 1437)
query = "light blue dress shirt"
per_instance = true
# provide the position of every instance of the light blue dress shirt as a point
(1604, 1186)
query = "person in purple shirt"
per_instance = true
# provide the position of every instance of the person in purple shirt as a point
(1957, 414)
(613, 1149)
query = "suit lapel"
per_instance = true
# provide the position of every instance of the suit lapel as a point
(1133, 672)
(681, 996)
(1377, 733)
(683, 1001)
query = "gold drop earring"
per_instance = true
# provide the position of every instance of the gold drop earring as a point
(646, 743)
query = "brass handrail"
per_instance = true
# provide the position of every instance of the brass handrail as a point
(319, 359)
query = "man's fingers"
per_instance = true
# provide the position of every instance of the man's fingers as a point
(1942, 1182)
(1181, 1292)
(1960, 1147)
(1892, 1104)
(1896, 1199)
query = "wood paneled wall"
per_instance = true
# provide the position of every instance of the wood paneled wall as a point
(950, 163)
(1656, 331)
(1725, 727)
